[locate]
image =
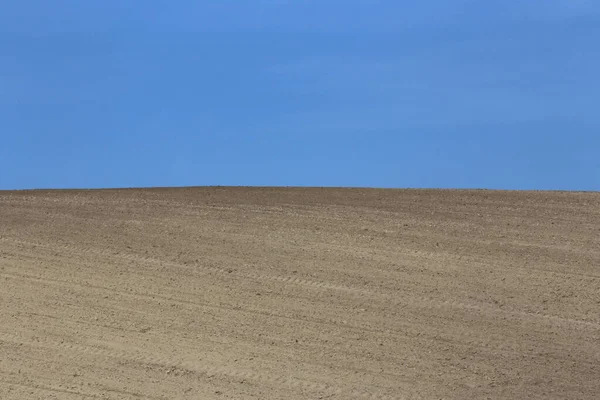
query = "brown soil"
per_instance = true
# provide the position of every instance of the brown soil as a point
(261, 293)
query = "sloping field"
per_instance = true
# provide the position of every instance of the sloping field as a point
(258, 293)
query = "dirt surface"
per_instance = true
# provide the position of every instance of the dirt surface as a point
(260, 293)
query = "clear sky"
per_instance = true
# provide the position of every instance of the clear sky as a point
(389, 93)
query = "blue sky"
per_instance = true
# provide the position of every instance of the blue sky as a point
(450, 94)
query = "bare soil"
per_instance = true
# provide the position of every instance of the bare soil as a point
(291, 293)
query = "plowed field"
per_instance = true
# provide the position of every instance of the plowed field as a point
(292, 293)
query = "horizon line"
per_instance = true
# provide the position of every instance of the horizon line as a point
(296, 187)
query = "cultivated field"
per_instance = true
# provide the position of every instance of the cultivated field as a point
(259, 293)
